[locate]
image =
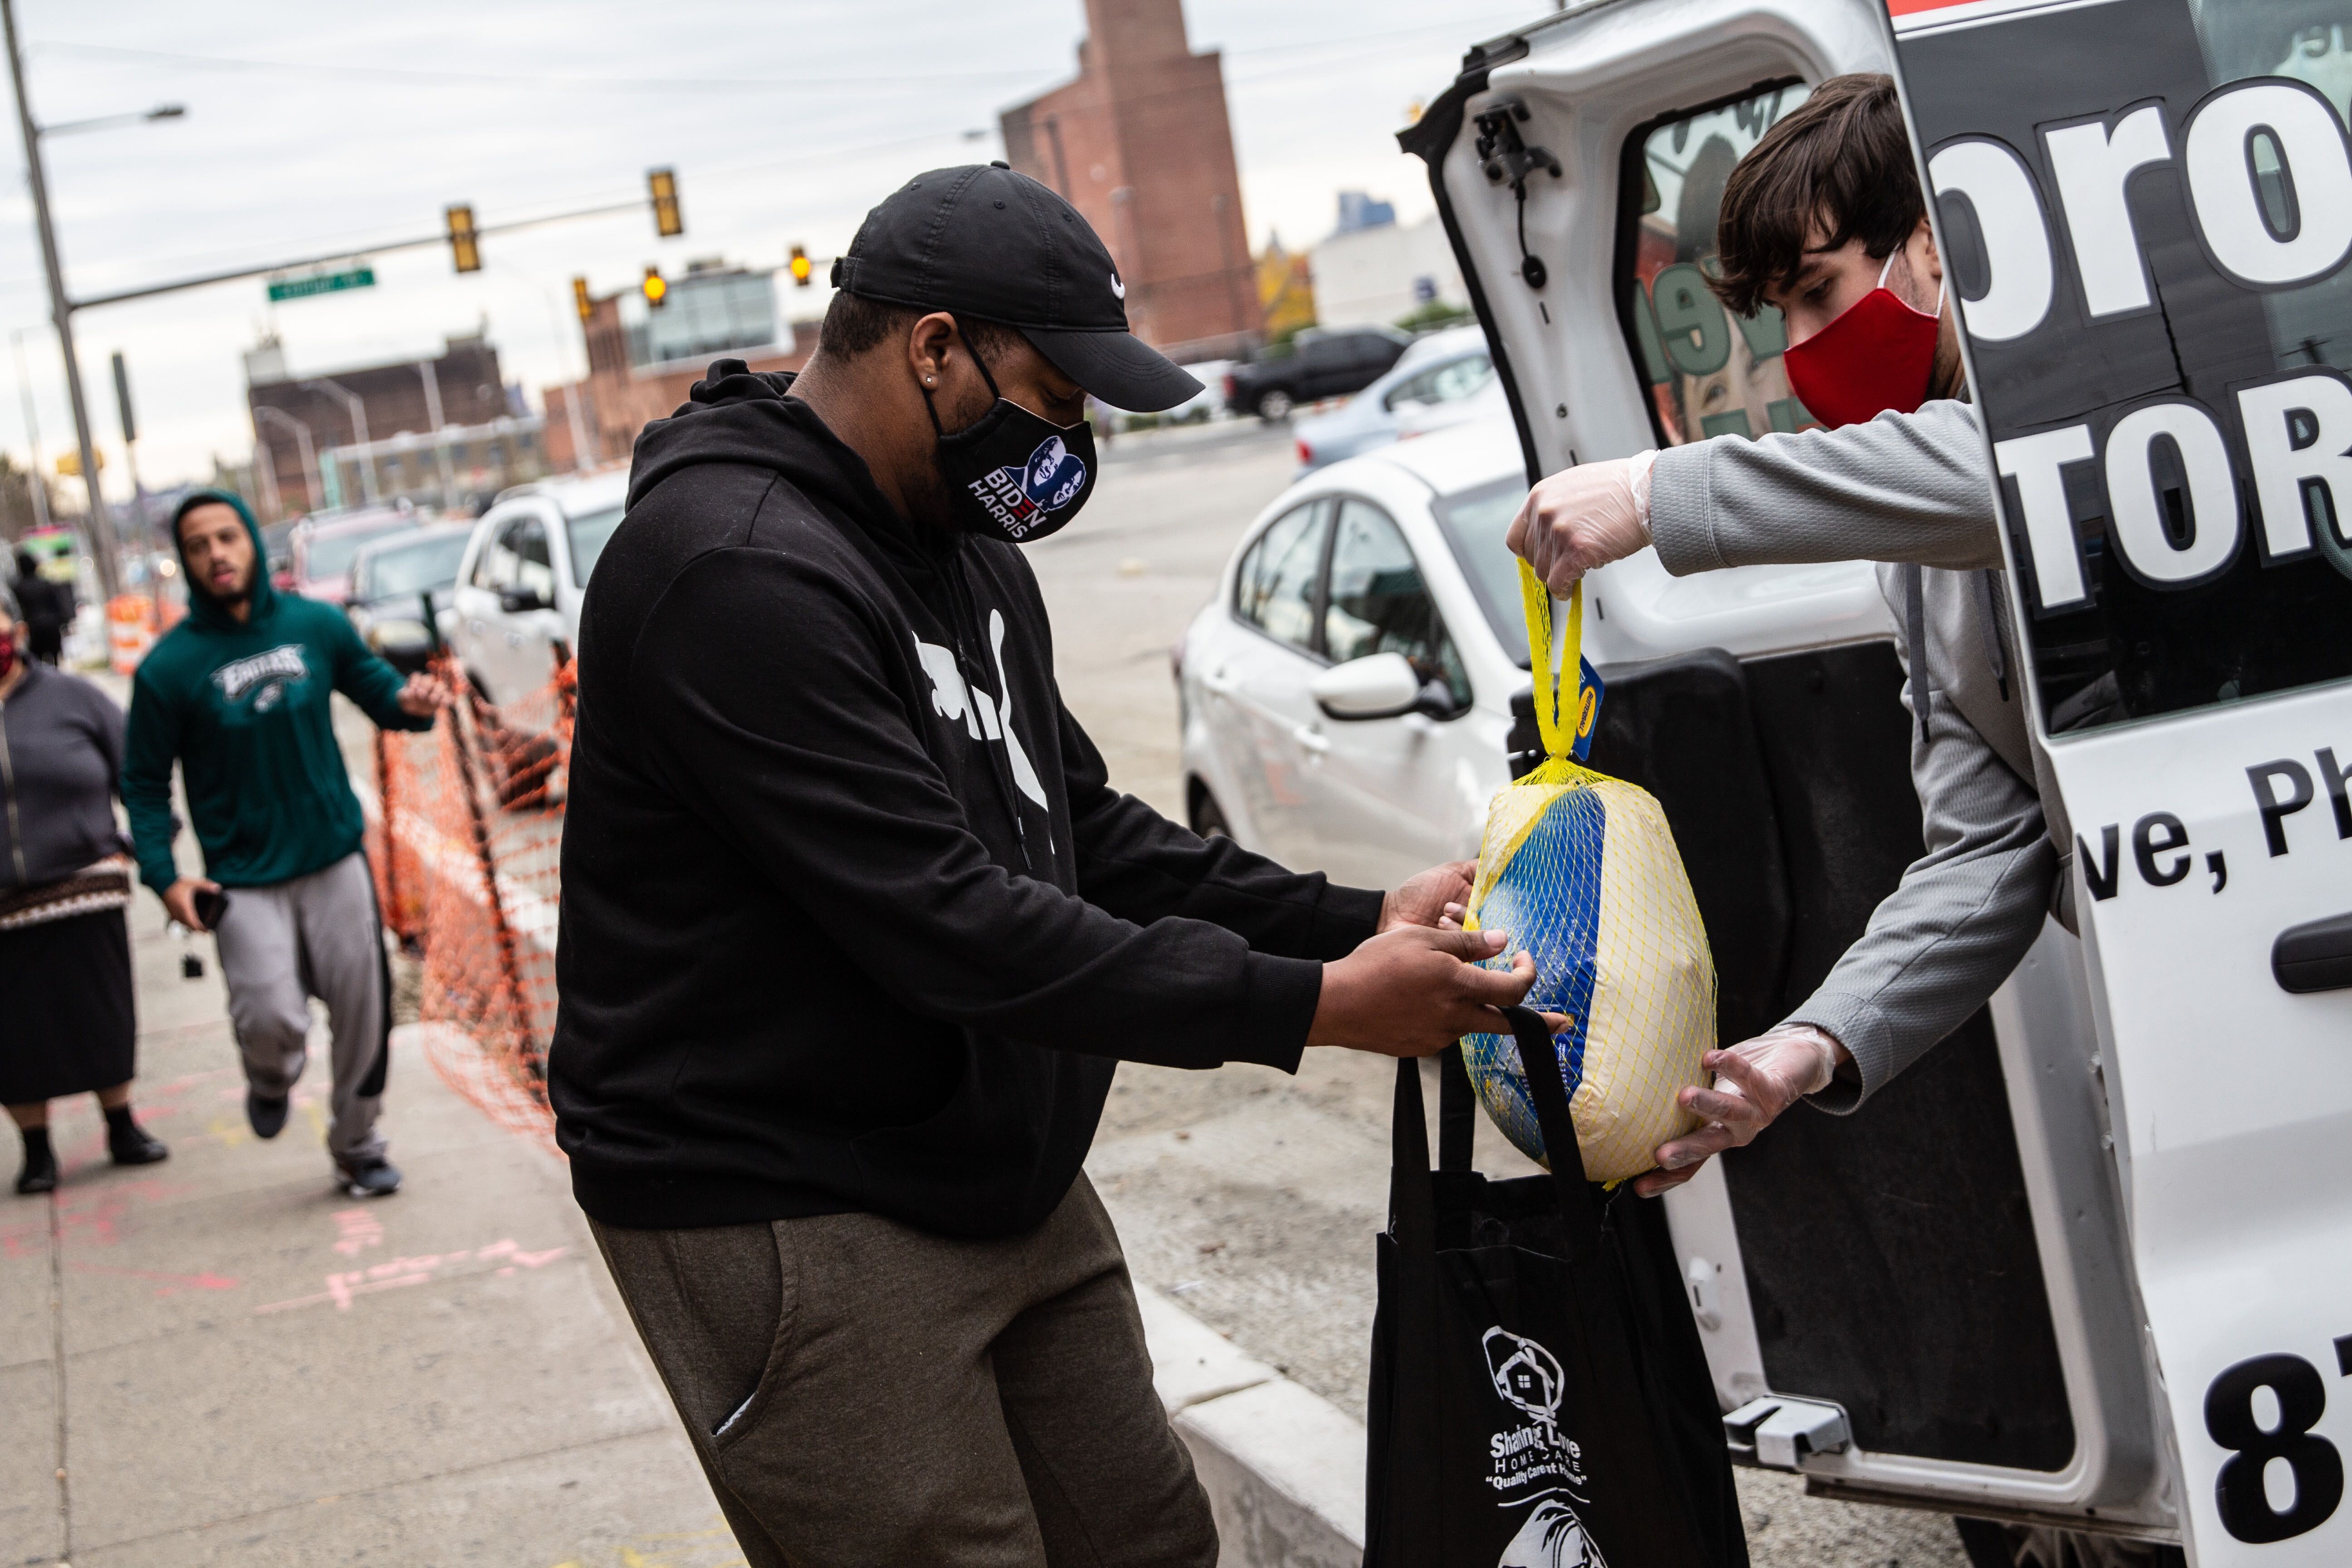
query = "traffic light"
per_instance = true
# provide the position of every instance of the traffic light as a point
(656, 289)
(800, 267)
(669, 222)
(580, 301)
(463, 244)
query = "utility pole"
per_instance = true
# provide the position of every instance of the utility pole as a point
(302, 442)
(144, 525)
(40, 482)
(425, 368)
(356, 406)
(102, 527)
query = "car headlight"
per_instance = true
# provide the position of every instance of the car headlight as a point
(398, 634)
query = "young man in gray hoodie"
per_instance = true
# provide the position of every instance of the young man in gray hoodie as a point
(1824, 219)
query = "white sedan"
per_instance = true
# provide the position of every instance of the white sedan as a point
(1346, 698)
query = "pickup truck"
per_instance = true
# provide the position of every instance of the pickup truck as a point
(1314, 364)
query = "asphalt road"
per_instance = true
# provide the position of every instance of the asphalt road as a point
(1250, 1196)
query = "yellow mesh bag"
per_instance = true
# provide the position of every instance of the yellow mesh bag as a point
(1581, 870)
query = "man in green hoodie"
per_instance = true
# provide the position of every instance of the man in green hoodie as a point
(238, 694)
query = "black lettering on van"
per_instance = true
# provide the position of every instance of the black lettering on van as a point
(2332, 777)
(2275, 809)
(2101, 873)
(2159, 833)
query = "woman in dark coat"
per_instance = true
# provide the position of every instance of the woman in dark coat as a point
(66, 1021)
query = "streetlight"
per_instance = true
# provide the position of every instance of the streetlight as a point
(301, 440)
(102, 527)
(108, 121)
(357, 408)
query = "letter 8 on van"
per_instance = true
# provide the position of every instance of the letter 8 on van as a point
(1583, 870)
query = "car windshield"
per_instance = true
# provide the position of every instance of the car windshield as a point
(1474, 522)
(330, 554)
(427, 563)
(588, 533)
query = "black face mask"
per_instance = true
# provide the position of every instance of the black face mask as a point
(1014, 475)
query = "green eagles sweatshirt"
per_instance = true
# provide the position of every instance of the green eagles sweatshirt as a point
(244, 708)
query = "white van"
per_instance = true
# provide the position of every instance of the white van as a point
(2088, 1266)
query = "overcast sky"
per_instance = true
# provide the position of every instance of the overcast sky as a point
(315, 128)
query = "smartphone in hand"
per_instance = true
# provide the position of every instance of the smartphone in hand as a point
(211, 904)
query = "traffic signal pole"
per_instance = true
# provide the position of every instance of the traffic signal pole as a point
(102, 527)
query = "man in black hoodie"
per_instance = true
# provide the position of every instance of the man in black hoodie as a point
(854, 930)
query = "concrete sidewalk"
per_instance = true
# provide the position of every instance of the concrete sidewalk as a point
(222, 1359)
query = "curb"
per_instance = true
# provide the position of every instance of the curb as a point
(1284, 1467)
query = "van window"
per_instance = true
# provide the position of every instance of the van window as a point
(1275, 589)
(1378, 602)
(1709, 372)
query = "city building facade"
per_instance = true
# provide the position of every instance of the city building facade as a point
(1141, 145)
(643, 362)
(443, 432)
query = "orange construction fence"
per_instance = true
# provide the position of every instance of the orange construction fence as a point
(465, 850)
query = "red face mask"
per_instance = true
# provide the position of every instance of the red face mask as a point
(1876, 356)
(7, 653)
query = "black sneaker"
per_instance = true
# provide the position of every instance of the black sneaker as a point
(132, 1144)
(372, 1177)
(265, 1115)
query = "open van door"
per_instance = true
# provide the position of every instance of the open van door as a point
(2148, 206)
(1930, 1302)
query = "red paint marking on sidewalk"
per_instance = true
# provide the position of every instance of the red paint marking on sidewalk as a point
(90, 1219)
(345, 1285)
(168, 1283)
(358, 1229)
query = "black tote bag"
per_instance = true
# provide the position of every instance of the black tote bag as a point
(1539, 1397)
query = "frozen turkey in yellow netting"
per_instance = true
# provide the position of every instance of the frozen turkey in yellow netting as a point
(1581, 870)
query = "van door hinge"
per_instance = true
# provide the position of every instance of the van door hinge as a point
(1507, 160)
(1780, 1433)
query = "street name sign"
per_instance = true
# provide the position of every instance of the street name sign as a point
(301, 286)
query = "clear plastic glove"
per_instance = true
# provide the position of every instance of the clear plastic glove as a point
(1581, 518)
(1755, 1081)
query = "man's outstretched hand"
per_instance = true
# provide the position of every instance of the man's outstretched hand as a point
(1424, 900)
(1755, 1081)
(423, 695)
(1413, 991)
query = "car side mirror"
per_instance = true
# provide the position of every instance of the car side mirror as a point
(517, 597)
(1377, 686)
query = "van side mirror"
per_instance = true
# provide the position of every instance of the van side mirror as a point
(1377, 686)
(516, 597)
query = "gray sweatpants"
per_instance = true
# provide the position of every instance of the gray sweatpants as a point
(285, 943)
(863, 1393)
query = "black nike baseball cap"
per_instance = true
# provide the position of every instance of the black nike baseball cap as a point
(985, 241)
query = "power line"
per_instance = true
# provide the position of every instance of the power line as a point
(437, 77)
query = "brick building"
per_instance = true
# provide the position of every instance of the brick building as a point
(642, 363)
(310, 417)
(1141, 144)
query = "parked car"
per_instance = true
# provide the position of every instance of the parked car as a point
(394, 578)
(1346, 698)
(518, 588)
(322, 544)
(1436, 374)
(1316, 365)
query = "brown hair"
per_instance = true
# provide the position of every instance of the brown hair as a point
(1841, 162)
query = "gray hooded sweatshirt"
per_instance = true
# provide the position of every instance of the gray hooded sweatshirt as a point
(1912, 492)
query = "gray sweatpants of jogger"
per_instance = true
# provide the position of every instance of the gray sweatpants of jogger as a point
(279, 946)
